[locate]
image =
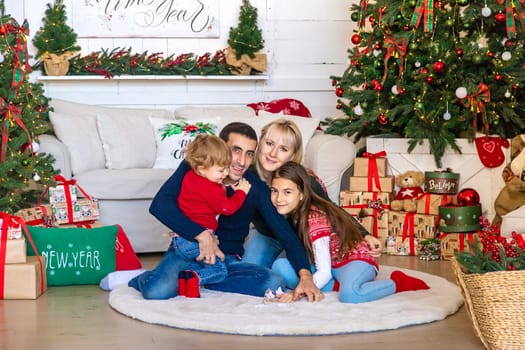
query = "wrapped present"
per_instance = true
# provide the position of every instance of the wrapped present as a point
(363, 197)
(455, 242)
(366, 184)
(15, 251)
(429, 203)
(441, 182)
(25, 280)
(371, 165)
(13, 230)
(65, 193)
(373, 220)
(406, 230)
(459, 219)
(41, 215)
(83, 209)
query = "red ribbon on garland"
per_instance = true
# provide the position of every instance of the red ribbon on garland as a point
(373, 173)
(12, 112)
(397, 49)
(476, 103)
(424, 9)
(21, 64)
(510, 7)
(362, 4)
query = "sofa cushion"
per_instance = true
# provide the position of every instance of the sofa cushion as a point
(172, 137)
(80, 135)
(123, 183)
(128, 141)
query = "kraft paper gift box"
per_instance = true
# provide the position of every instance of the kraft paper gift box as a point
(364, 184)
(405, 230)
(455, 242)
(41, 215)
(363, 197)
(83, 209)
(428, 203)
(58, 194)
(364, 166)
(15, 251)
(26, 280)
(373, 221)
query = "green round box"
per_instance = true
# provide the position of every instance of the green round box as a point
(441, 182)
(459, 219)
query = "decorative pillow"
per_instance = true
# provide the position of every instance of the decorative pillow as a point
(287, 106)
(126, 259)
(172, 137)
(75, 255)
(128, 141)
(79, 134)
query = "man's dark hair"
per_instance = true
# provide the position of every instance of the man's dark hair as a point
(238, 128)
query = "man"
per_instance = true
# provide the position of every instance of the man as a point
(244, 278)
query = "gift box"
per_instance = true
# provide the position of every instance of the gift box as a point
(365, 184)
(364, 197)
(83, 209)
(25, 280)
(41, 215)
(406, 230)
(15, 251)
(62, 193)
(441, 182)
(455, 242)
(14, 231)
(373, 220)
(371, 164)
(429, 203)
(459, 219)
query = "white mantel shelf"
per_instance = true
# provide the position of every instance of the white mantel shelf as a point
(49, 78)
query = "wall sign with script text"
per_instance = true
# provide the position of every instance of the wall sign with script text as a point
(146, 18)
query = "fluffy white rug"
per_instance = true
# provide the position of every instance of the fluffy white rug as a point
(241, 314)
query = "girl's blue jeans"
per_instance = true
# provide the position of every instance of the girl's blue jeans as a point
(244, 278)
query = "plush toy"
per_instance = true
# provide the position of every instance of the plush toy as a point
(410, 188)
(512, 195)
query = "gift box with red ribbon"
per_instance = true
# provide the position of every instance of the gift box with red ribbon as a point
(370, 174)
(406, 230)
(41, 215)
(429, 203)
(455, 242)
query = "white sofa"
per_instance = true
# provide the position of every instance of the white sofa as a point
(115, 156)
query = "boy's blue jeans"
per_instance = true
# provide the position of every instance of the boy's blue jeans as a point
(244, 278)
(207, 273)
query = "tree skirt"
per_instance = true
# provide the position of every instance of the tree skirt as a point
(240, 314)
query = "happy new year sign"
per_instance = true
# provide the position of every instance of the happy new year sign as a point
(146, 18)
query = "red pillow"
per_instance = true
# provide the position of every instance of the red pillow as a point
(288, 106)
(126, 259)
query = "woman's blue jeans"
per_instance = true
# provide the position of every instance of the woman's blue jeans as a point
(357, 281)
(260, 249)
(244, 278)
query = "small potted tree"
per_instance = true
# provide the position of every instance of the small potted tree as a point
(55, 41)
(244, 42)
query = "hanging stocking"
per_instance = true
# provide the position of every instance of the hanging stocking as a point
(489, 150)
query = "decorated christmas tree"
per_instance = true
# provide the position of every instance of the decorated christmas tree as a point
(433, 69)
(55, 36)
(246, 38)
(24, 116)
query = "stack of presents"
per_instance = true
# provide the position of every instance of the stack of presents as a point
(58, 243)
(413, 213)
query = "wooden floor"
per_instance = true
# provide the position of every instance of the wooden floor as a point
(79, 317)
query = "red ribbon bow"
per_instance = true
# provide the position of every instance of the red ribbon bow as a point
(397, 49)
(373, 173)
(11, 112)
(408, 231)
(476, 103)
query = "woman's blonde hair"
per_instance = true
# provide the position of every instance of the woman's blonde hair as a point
(291, 135)
(208, 150)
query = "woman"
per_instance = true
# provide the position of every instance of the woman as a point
(333, 243)
(281, 141)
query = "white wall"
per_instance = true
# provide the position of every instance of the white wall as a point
(306, 42)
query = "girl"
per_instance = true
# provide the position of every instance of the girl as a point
(332, 241)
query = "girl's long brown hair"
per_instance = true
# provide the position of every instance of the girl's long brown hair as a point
(340, 221)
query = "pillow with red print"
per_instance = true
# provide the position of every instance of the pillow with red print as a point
(286, 106)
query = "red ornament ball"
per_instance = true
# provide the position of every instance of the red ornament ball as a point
(468, 197)
(490, 54)
(375, 82)
(516, 86)
(429, 79)
(499, 17)
(439, 67)
(424, 70)
(383, 120)
(377, 46)
(510, 43)
(338, 106)
(334, 82)
(356, 39)
(378, 87)
(459, 52)
(365, 124)
(339, 91)
(498, 77)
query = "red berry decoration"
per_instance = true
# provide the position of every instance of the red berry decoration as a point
(468, 197)
(339, 91)
(499, 17)
(439, 67)
(356, 39)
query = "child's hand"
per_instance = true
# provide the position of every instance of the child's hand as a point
(243, 185)
(285, 297)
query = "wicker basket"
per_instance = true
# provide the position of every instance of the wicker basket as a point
(495, 303)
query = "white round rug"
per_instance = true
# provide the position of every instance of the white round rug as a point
(241, 314)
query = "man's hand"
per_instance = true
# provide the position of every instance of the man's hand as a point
(208, 248)
(374, 245)
(307, 288)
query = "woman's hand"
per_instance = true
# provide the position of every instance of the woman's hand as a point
(374, 245)
(208, 248)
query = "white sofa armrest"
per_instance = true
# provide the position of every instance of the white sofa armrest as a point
(51, 145)
(329, 156)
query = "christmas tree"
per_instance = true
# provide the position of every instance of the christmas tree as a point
(55, 36)
(24, 115)
(436, 70)
(246, 38)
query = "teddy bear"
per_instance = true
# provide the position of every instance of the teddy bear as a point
(512, 195)
(409, 183)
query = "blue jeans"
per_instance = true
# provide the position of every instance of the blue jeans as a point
(260, 249)
(207, 273)
(357, 281)
(243, 278)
